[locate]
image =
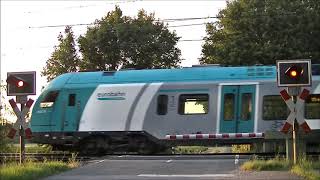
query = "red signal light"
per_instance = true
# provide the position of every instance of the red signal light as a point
(294, 72)
(20, 84)
(16, 81)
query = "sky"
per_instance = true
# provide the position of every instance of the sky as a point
(27, 41)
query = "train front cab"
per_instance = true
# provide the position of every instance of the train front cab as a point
(56, 112)
(44, 116)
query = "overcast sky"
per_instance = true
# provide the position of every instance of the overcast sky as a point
(27, 42)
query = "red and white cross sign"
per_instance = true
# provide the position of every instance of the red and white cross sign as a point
(296, 110)
(21, 120)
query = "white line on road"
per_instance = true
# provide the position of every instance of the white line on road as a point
(186, 175)
(169, 161)
(99, 161)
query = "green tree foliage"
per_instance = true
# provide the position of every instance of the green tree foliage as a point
(118, 41)
(262, 31)
(64, 57)
(5, 111)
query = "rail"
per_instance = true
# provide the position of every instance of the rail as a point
(7, 157)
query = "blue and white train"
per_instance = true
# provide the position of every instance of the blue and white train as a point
(143, 110)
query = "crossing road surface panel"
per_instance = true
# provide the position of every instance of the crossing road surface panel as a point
(167, 167)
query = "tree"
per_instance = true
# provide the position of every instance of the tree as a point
(118, 41)
(252, 32)
(64, 58)
(5, 111)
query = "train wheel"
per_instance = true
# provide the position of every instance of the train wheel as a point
(94, 146)
(147, 147)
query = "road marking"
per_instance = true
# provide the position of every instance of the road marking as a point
(99, 161)
(169, 161)
(186, 175)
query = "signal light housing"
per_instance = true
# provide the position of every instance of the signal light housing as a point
(21, 83)
(294, 73)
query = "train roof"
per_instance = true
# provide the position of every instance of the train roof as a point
(209, 73)
(167, 75)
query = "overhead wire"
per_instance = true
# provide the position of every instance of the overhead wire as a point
(177, 20)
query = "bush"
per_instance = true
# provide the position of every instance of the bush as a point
(5, 144)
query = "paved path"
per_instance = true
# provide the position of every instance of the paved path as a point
(167, 167)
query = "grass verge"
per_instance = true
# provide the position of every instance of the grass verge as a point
(308, 169)
(266, 165)
(33, 170)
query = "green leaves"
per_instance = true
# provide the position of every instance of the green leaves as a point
(118, 41)
(260, 32)
(64, 58)
(115, 42)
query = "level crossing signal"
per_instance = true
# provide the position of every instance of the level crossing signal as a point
(21, 83)
(294, 73)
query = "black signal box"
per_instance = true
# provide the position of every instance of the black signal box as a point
(21, 83)
(294, 73)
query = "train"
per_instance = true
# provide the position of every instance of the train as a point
(152, 109)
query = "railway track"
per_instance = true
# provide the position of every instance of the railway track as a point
(5, 157)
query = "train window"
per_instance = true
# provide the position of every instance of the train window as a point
(246, 108)
(49, 99)
(72, 100)
(229, 107)
(162, 107)
(193, 104)
(274, 108)
(312, 107)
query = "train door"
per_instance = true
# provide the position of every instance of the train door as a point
(237, 108)
(72, 111)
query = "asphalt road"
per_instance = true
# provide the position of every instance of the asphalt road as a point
(166, 167)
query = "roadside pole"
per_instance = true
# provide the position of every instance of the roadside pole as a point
(294, 92)
(22, 140)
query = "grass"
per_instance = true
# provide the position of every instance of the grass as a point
(33, 170)
(200, 149)
(308, 169)
(266, 165)
(30, 148)
(189, 149)
(241, 148)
